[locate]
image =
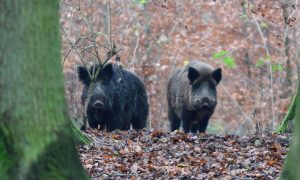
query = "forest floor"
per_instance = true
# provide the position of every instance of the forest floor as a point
(177, 155)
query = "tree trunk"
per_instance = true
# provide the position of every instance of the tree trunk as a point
(291, 168)
(35, 136)
(289, 117)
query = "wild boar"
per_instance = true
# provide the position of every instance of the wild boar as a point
(192, 96)
(118, 98)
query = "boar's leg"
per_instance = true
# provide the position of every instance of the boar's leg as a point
(187, 116)
(102, 126)
(189, 122)
(139, 122)
(203, 124)
(139, 118)
(194, 126)
(186, 124)
(125, 122)
(115, 122)
(125, 127)
(175, 121)
(93, 124)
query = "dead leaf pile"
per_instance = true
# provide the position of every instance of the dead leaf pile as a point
(158, 155)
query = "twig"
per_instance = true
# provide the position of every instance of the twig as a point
(93, 37)
(73, 46)
(270, 69)
(86, 49)
(70, 50)
(93, 40)
(126, 30)
(69, 4)
(241, 42)
(188, 45)
(135, 50)
(109, 23)
(247, 118)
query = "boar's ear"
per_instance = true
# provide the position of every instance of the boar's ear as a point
(193, 74)
(107, 70)
(217, 75)
(83, 74)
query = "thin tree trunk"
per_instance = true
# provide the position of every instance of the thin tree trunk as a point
(35, 136)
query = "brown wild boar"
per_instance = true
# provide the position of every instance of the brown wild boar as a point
(192, 96)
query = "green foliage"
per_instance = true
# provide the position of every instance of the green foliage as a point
(229, 62)
(141, 2)
(220, 54)
(224, 56)
(259, 63)
(247, 4)
(268, 58)
(262, 61)
(263, 25)
(244, 17)
(277, 67)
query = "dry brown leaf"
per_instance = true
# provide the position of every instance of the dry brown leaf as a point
(116, 136)
(122, 168)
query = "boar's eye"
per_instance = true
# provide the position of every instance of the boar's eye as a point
(217, 75)
(193, 74)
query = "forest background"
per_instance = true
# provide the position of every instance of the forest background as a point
(255, 43)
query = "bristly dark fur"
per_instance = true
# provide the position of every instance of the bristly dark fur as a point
(192, 96)
(123, 96)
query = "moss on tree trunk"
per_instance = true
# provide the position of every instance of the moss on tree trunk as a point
(35, 136)
(291, 167)
(289, 117)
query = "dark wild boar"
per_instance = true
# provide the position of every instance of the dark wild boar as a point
(118, 98)
(192, 96)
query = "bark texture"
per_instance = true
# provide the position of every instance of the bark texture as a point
(291, 168)
(35, 136)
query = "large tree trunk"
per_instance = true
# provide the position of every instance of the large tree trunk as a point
(291, 168)
(289, 117)
(35, 137)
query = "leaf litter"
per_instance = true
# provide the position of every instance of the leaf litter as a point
(177, 155)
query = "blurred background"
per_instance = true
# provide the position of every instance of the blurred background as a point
(255, 43)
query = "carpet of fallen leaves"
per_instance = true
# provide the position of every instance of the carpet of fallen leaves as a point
(177, 155)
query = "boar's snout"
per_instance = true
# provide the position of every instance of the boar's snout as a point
(204, 104)
(98, 104)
